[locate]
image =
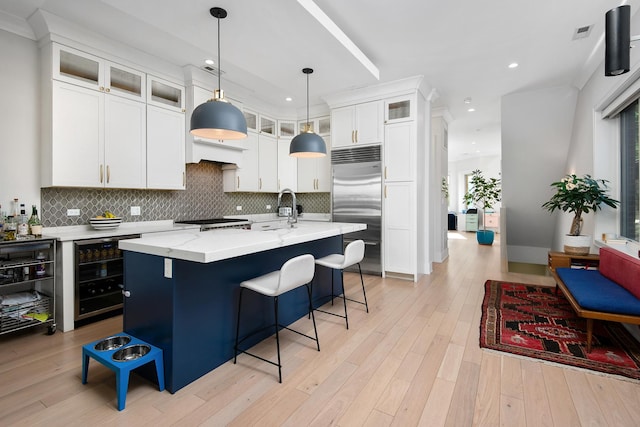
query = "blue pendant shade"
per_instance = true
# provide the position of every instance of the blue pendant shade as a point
(307, 144)
(217, 118)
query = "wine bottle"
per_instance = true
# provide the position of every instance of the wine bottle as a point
(35, 226)
(23, 227)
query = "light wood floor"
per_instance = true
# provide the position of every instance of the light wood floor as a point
(413, 360)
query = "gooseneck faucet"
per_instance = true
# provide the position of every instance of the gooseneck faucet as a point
(293, 217)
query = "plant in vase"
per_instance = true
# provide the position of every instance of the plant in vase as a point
(483, 194)
(578, 196)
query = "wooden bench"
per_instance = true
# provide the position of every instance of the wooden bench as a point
(611, 293)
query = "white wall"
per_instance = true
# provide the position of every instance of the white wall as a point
(20, 123)
(490, 167)
(536, 133)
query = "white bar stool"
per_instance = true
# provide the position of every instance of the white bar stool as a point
(293, 274)
(353, 254)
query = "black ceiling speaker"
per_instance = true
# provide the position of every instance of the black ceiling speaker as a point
(617, 41)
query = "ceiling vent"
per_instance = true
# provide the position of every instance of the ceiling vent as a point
(213, 70)
(582, 32)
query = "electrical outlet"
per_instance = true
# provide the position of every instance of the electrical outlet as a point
(268, 207)
(73, 212)
(168, 268)
(238, 208)
(135, 210)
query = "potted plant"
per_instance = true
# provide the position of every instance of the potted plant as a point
(483, 194)
(578, 196)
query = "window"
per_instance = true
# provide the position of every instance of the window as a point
(629, 173)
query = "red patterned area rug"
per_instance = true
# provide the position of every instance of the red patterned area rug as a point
(533, 321)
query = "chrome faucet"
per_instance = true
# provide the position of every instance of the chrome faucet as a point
(293, 217)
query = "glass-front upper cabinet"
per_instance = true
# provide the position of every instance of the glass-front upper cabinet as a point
(286, 128)
(82, 69)
(398, 109)
(319, 125)
(164, 94)
(252, 120)
(267, 126)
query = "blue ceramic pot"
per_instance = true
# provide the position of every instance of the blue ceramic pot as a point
(485, 237)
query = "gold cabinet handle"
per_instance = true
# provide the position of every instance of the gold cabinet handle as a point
(101, 173)
(385, 191)
(184, 179)
(385, 172)
(238, 182)
(107, 89)
(352, 135)
(260, 183)
(101, 88)
(278, 184)
(356, 136)
(108, 174)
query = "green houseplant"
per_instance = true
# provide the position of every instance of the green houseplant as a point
(483, 194)
(578, 196)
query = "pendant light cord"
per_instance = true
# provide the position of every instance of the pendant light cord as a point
(219, 66)
(307, 102)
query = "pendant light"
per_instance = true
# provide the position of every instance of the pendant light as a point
(307, 144)
(217, 118)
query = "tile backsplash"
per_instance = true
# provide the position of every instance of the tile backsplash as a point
(203, 198)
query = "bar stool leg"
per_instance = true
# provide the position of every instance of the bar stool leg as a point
(275, 308)
(344, 299)
(363, 291)
(235, 348)
(160, 371)
(312, 316)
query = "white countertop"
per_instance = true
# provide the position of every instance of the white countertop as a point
(216, 245)
(79, 232)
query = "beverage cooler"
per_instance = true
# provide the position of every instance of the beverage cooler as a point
(98, 276)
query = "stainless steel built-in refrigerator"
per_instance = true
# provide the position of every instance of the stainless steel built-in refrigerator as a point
(357, 197)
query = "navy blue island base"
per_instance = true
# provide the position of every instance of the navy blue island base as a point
(191, 316)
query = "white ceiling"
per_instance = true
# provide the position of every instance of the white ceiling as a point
(462, 48)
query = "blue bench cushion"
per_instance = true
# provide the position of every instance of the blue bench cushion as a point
(595, 292)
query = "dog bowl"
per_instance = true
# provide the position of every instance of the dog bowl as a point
(112, 343)
(131, 352)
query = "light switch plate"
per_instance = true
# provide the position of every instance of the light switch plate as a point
(168, 268)
(135, 210)
(73, 212)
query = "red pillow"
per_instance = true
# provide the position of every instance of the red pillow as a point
(621, 268)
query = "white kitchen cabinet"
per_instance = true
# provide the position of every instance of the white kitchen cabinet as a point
(268, 163)
(89, 71)
(314, 174)
(97, 140)
(125, 148)
(399, 109)
(165, 149)
(357, 124)
(165, 94)
(399, 151)
(251, 118)
(400, 228)
(287, 166)
(245, 178)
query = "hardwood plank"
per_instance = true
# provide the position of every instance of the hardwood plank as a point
(487, 407)
(538, 411)
(563, 410)
(463, 399)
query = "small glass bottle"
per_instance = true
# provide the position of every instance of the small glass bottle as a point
(23, 227)
(35, 226)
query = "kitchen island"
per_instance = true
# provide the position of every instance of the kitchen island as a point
(182, 290)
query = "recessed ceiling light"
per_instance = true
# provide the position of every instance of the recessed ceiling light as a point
(473, 142)
(471, 110)
(209, 61)
(467, 100)
(288, 99)
(513, 65)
